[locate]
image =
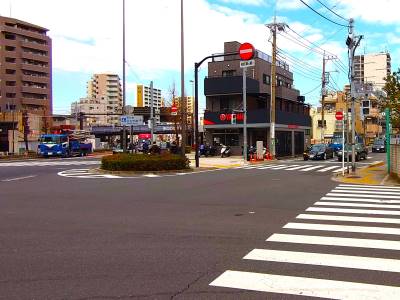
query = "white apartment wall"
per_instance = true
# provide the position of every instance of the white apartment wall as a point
(375, 69)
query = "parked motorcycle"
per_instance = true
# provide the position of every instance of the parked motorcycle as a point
(225, 151)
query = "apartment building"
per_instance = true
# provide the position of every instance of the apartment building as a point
(143, 97)
(372, 68)
(107, 87)
(25, 68)
(89, 106)
(224, 98)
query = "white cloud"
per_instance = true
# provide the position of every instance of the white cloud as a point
(245, 2)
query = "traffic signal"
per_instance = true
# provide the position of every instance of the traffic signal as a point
(233, 119)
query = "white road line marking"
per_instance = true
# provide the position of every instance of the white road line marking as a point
(303, 286)
(327, 203)
(370, 186)
(330, 260)
(280, 167)
(358, 195)
(267, 167)
(367, 189)
(337, 190)
(355, 211)
(151, 175)
(348, 218)
(18, 178)
(343, 228)
(359, 200)
(300, 167)
(328, 168)
(311, 168)
(334, 241)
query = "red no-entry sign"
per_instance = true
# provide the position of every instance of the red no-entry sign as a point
(339, 115)
(246, 51)
(174, 110)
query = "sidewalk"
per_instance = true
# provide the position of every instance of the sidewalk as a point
(375, 174)
(221, 163)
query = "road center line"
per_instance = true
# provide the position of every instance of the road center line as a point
(18, 178)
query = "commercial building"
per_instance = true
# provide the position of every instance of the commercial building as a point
(372, 69)
(224, 98)
(25, 68)
(94, 110)
(143, 97)
(189, 107)
(108, 87)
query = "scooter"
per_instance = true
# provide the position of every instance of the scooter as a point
(225, 151)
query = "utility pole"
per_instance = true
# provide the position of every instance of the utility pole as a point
(352, 45)
(183, 101)
(123, 75)
(323, 91)
(273, 29)
(151, 112)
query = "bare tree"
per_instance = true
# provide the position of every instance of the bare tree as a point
(172, 92)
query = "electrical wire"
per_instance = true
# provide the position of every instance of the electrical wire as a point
(296, 41)
(314, 89)
(300, 70)
(322, 15)
(332, 11)
(305, 67)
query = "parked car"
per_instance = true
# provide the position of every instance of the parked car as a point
(379, 146)
(361, 152)
(318, 151)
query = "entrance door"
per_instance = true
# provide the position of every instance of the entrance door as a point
(283, 143)
(298, 142)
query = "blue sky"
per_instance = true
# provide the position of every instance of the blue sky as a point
(90, 41)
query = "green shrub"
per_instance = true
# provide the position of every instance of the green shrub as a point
(144, 162)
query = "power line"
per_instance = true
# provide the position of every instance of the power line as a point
(300, 43)
(306, 67)
(309, 92)
(322, 15)
(332, 11)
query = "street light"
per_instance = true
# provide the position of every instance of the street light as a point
(194, 131)
(123, 74)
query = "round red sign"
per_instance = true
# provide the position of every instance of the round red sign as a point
(174, 109)
(222, 117)
(339, 115)
(246, 51)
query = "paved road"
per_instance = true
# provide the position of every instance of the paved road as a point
(238, 233)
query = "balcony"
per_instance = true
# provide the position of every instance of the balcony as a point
(34, 45)
(23, 32)
(32, 101)
(37, 57)
(34, 90)
(36, 68)
(287, 93)
(35, 79)
(214, 86)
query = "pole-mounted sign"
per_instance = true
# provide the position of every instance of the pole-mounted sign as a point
(246, 51)
(339, 115)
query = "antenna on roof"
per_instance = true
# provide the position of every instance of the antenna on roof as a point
(10, 9)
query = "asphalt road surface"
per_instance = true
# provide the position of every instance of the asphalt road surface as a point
(242, 233)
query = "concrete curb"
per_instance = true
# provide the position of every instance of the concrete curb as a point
(363, 178)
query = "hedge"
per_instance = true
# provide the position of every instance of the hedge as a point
(144, 162)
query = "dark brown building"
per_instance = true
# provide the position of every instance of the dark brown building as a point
(25, 68)
(224, 98)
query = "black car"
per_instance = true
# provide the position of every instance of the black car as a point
(379, 146)
(361, 152)
(318, 151)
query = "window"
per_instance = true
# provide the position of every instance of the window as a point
(9, 71)
(228, 73)
(10, 48)
(320, 123)
(10, 95)
(307, 131)
(10, 59)
(9, 36)
(280, 82)
(266, 79)
(10, 83)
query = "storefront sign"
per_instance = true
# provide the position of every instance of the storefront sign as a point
(293, 126)
(228, 117)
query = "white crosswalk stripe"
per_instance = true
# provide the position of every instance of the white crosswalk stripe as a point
(362, 213)
(294, 167)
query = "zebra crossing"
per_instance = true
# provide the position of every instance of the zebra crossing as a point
(319, 168)
(347, 230)
(47, 163)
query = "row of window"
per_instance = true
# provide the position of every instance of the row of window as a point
(26, 28)
(13, 37)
